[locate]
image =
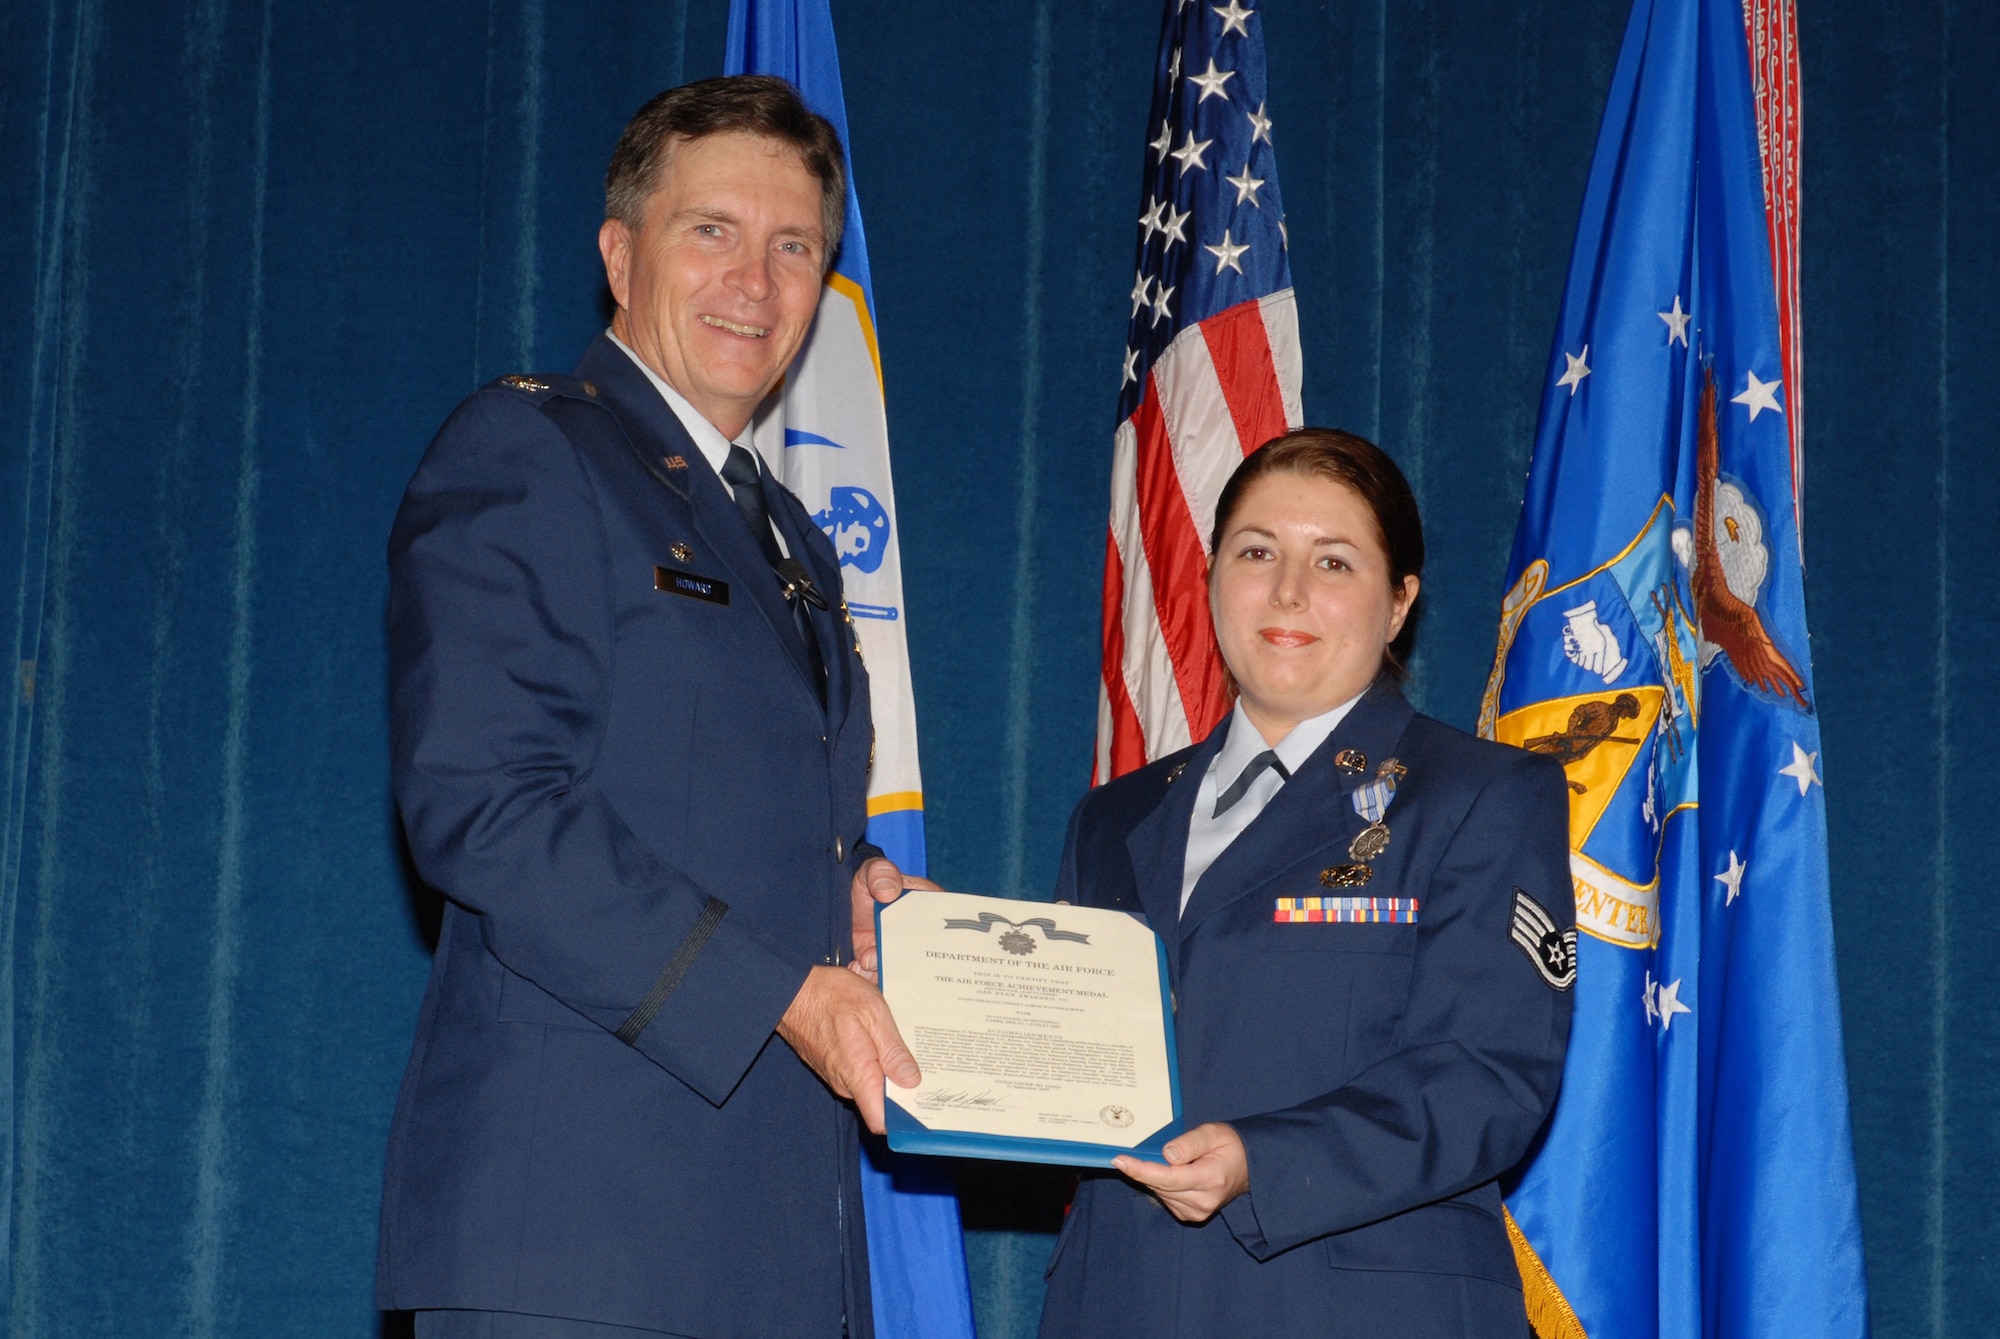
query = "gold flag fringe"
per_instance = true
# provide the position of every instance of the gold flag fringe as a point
(1549, 1312)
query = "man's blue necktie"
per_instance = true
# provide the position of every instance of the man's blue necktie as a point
(740, 473)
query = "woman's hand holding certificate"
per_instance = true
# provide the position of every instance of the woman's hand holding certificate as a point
(1205, 1169)
(1044, 1033)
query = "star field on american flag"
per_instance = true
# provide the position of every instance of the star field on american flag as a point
(1210, 232)
(1210, 371)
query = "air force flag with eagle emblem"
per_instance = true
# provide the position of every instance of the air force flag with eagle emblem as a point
(1697, 1177)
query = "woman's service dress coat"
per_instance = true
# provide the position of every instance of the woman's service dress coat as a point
(1383, 1076)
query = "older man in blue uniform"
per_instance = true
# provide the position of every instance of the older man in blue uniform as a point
(631, 748)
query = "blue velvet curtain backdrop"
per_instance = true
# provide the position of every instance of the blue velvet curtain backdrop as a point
(252, 253)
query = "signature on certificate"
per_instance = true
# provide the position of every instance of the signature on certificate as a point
(959, 1097)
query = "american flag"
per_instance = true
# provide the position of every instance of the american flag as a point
(1773, 27)
(1211, 372)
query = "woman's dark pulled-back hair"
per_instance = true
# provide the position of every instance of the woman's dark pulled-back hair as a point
(1365, 469)
(752, 104)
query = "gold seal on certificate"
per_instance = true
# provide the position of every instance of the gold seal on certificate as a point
(1044, 1032)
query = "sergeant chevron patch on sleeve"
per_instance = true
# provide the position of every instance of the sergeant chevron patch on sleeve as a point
(1552, 951)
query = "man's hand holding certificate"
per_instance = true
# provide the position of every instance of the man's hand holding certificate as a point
(840, 1027)
(1044, 1033)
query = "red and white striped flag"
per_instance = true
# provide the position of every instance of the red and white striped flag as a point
(1773, 30)
(1212, 371)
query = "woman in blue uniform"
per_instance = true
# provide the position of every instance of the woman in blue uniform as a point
(1370, 932)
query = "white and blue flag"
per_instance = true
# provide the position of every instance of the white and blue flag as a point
(826, 434)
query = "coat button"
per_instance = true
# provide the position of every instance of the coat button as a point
(839, 850)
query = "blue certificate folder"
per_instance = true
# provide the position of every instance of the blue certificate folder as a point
(907, 1134)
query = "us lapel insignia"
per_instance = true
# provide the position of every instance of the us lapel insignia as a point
(1351, 761)
(1345, 876)
(674, 462)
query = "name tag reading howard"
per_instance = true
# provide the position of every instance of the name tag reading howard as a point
(1045, 1033)
(691, 584)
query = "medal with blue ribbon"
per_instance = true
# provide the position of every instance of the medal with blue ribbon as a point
(1371, 801)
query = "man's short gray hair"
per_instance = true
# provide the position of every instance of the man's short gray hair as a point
(754, 104)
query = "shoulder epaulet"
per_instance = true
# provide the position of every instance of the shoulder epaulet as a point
(543, 386)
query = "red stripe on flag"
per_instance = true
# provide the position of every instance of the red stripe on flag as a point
(1240, 348)
(1178, 563)
(1772, 29)
(1128, 742)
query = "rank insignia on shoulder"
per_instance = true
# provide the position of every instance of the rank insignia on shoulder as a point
(1345, 911)
(1345, 876)
(521, 383)
(1351, 761)
(1552, 951)
(1174, 772)
(590, 389)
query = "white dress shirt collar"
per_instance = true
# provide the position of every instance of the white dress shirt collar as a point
(708, 438)
(1209, 835)
(1246, 742)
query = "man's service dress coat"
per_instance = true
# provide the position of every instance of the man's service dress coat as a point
(611, 758)
(1382, 1076)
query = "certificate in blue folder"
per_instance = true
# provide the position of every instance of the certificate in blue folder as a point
(1045, 1033)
